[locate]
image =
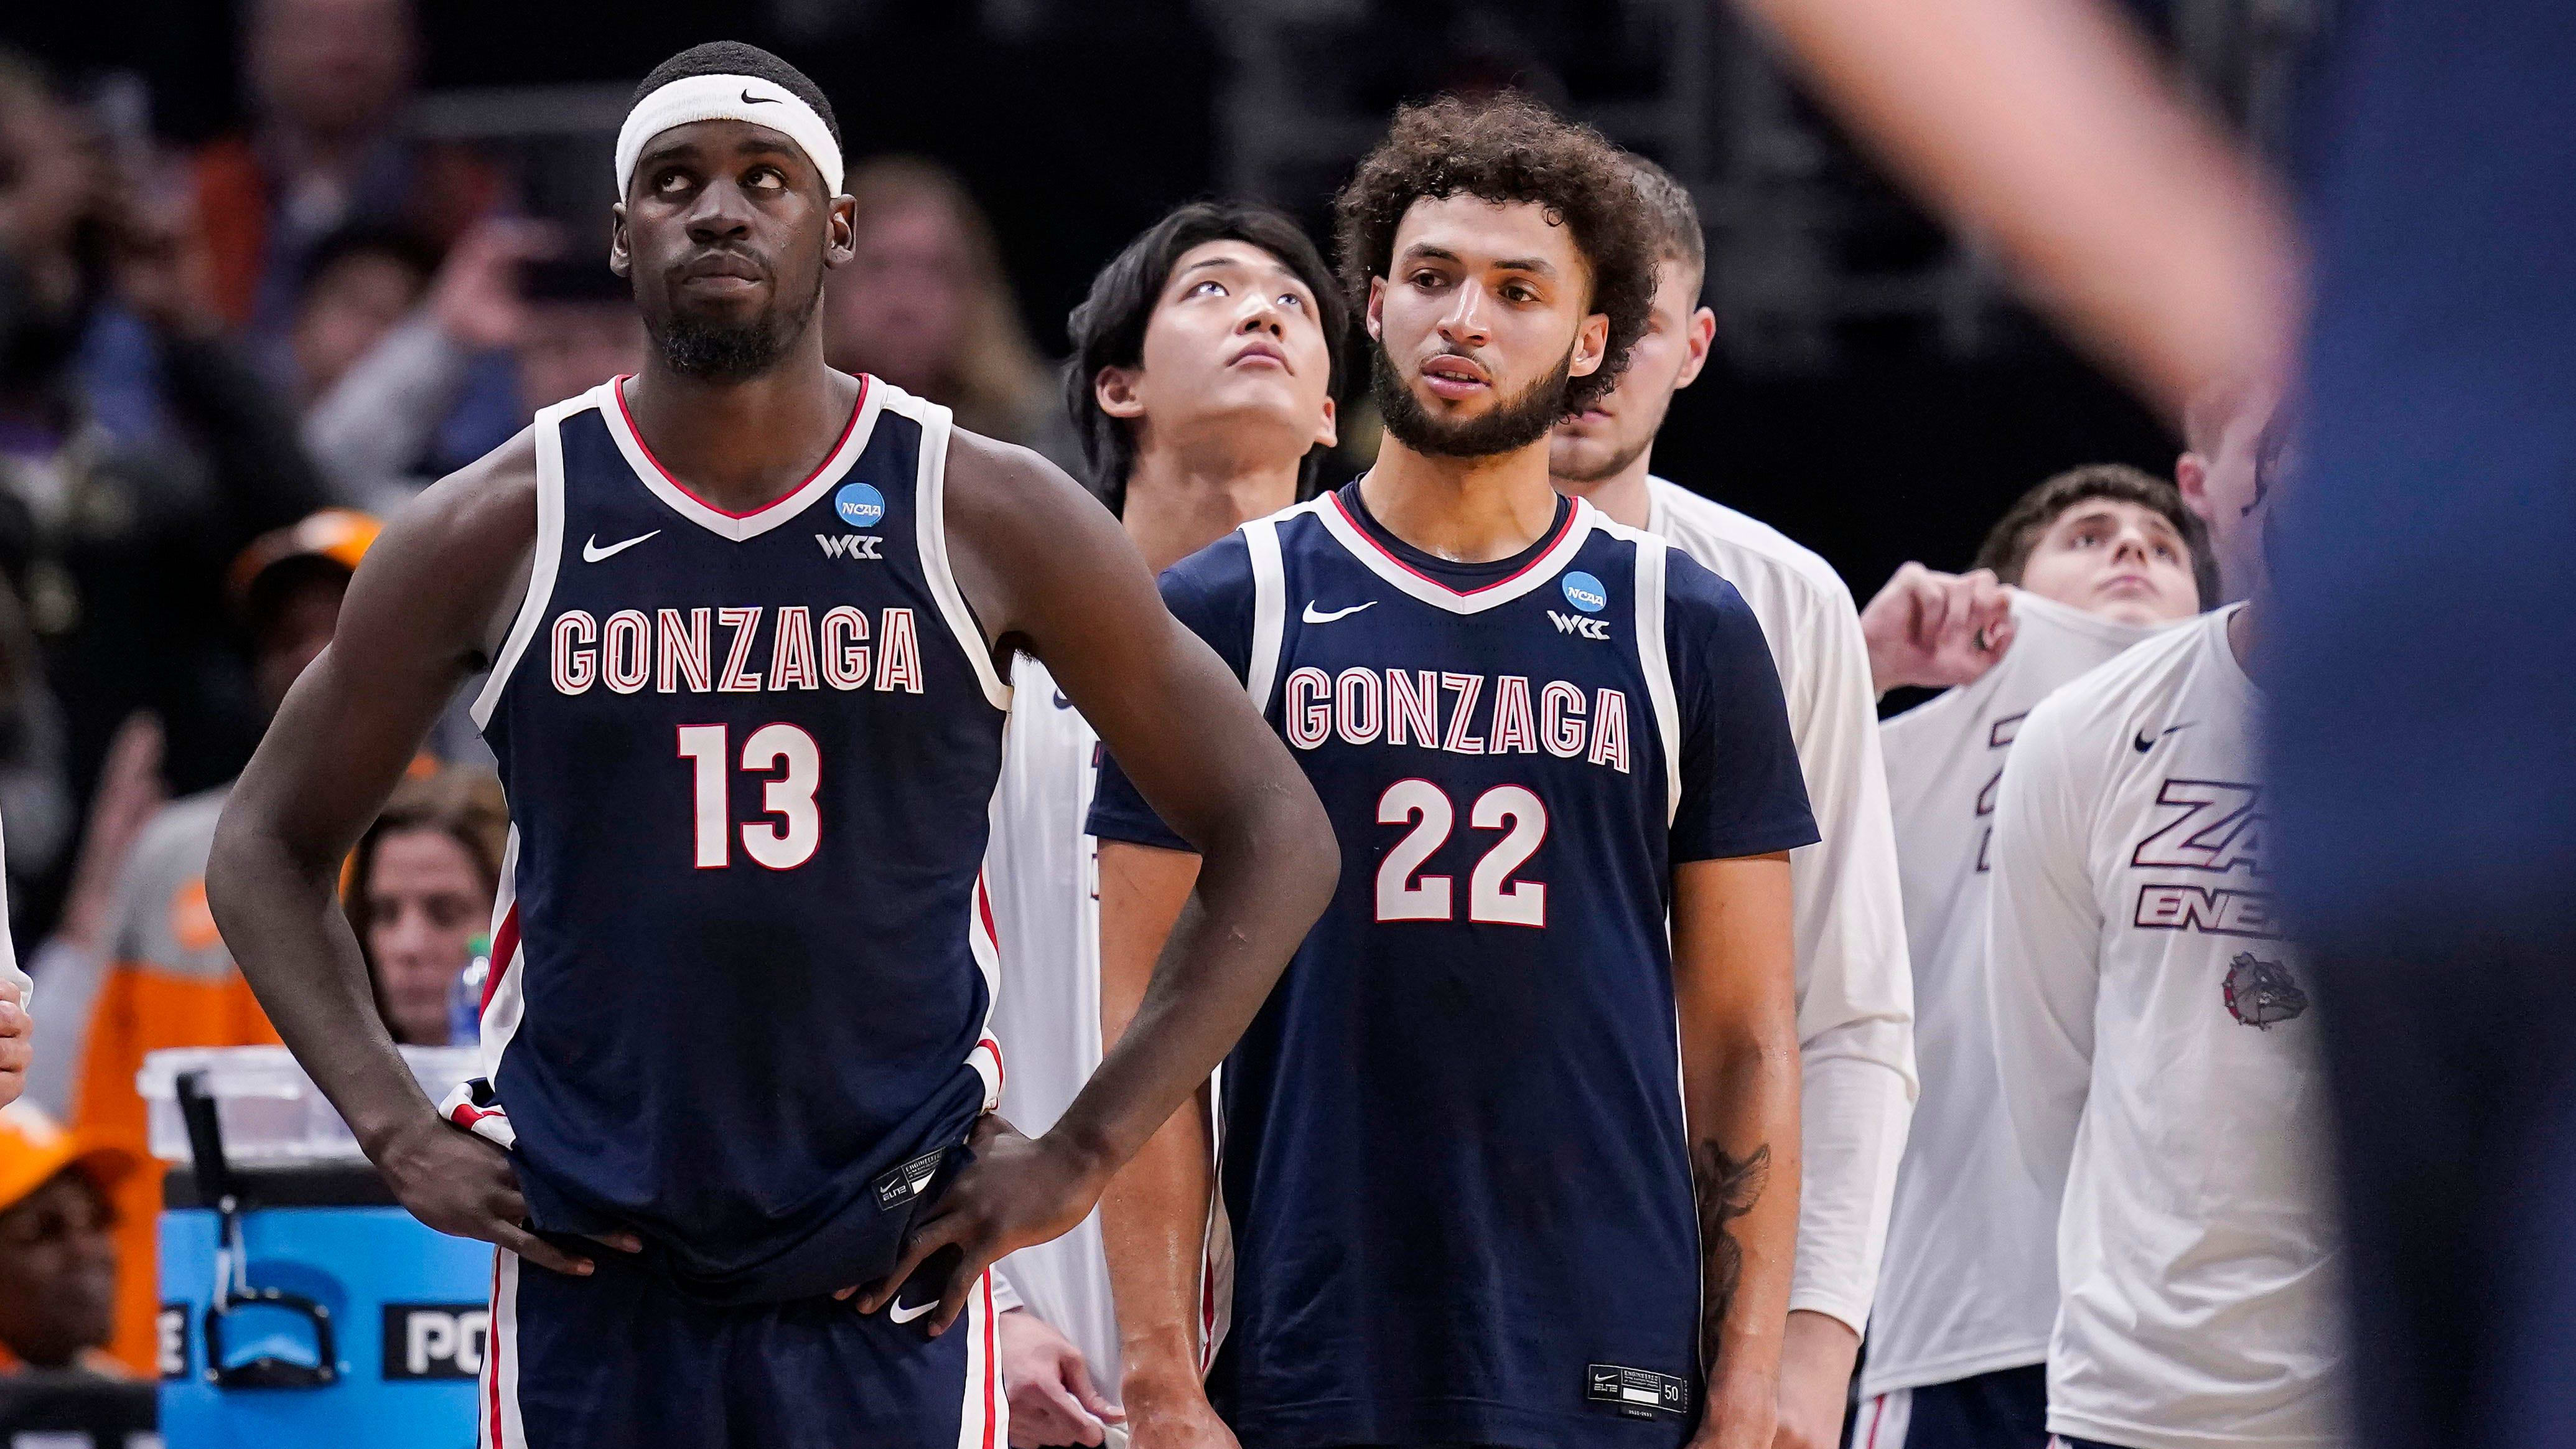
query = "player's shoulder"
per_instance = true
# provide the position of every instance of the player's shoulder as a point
(489, 504)
(984, 475)
(1743, 548)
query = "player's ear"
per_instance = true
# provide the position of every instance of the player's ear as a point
(1699, 336)
(1375, 316)
(1114, 388)
(841, 232)
(618, 260)
(2191, 476)
(1591, 340)
(1328, 435)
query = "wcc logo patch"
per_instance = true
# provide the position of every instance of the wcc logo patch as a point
(2261, 993)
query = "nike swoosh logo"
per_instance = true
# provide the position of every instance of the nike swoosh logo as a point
(749, 99)
(1316, 616)
(900, 1314)
(591, 552)
(2146, 742)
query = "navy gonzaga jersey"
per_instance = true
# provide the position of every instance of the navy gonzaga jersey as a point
(1453, 1150)
(736, 997)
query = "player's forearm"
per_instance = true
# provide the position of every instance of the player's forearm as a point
(274, 905)
(1743, 1096)
(1264, 875)
(1153, 1229)
(1153, 1218)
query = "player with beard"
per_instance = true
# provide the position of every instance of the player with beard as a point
(1506, 1159)
(1855, 996)
(2159, 1062)
(745, 618)
(1202, 379)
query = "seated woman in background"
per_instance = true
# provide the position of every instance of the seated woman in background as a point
(420, 895)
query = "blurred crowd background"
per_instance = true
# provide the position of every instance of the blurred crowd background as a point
(268, 267)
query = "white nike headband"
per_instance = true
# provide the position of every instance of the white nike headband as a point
(728, 98)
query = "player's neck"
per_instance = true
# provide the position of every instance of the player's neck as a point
(1625, 495)
(1466, 510)
(1179, 502)
(742, 444)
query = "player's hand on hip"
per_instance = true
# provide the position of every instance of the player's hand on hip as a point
(1016, 1192)
(1053, 1401)
(17, 1044)
(461, 1185)
(1936, 630)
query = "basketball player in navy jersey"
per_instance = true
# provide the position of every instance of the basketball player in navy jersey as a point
(1504, 1163)
(743, 616)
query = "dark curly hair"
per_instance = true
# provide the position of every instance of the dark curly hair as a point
(1509, 148)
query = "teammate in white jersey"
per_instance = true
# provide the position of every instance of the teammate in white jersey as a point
(1201, 384)
(2154, 1033)
(1855, 1004)
(2086, 564)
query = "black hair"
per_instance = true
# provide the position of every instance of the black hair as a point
(371, 239)
(1504, 149)
(1108, 329)
(2015, 536)
(732, 57)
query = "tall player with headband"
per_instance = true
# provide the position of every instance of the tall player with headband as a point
(744, 617)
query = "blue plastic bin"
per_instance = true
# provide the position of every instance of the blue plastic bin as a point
(405, 1311)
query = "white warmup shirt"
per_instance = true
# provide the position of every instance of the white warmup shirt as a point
(2159, 1062)
(1855, 994)
(1970, 1283)
(1042, 874)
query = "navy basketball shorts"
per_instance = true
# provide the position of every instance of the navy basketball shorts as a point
(624, 1360)
(2006, 1409)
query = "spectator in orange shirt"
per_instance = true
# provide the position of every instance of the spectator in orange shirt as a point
(164, 978)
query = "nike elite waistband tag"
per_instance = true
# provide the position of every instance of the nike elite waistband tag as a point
(902, 1184)
(1637, 1393)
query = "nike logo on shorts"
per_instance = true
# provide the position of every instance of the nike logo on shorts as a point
(1316, 616)
(900, 1314)
(591, 552)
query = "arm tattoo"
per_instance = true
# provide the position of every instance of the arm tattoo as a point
(1728, 1189)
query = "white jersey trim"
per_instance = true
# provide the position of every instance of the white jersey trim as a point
(505, 996)
(930, 492)
(1269, 608)
(1653, 556)
(1578, 527)
(544, 564)
(611, 398)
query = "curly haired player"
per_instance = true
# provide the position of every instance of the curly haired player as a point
(1467, 1204)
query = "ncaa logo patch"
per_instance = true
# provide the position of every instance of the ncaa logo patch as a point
(859, 505)
(1585, 592)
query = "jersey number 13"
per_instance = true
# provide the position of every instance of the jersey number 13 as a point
(783, 843)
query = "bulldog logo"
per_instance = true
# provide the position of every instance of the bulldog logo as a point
(2261, 993)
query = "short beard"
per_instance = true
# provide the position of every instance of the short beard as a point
(730, 352)
(1513, 426)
